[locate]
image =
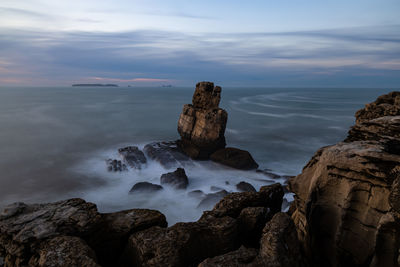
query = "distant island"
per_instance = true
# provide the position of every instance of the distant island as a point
(95, 85)
(166, 85)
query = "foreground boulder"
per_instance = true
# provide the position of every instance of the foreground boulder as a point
(24, 228)
(176, 179)
(346, 207)
(235, 158)
(202, 124)
(68, 233)
(217, 232)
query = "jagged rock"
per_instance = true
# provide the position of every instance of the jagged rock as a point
(145, 187)
(385, 105)
(245, 187)
(168, 154)
(279, 246)
(232, 204)
(23, 227)
(133, 156)
(251, 222)
(64, 251)
(235, 158)
(115, 165)
(176, 179)
(211, 199)
(345, 207)
(113, 233)
(184, 244)
(206, 96)
(197, 194)
(202, 124)
(243, 257)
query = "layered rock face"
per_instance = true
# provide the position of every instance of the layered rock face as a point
(202, 124)
(346, 207)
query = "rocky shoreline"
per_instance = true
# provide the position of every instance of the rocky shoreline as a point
(345, 211)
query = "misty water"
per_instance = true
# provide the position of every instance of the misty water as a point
(54, 141)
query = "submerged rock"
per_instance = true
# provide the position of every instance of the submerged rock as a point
(114, 165)
(235, 158)
(133, 156)
(245, 187)
(343, 209)
(211, 199)
(145, 187)
(176, 179)
(168, 154)
(202, 124)
(197, 194)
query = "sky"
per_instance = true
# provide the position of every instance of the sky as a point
(285, 43)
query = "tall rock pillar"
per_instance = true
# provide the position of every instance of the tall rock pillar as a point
(202, 124)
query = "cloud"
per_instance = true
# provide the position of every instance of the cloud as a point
(343, 57)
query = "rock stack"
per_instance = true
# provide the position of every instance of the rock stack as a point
(347, 202)
(202, 124)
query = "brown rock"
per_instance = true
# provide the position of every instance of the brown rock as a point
(206, 96)
(243, 257)
(184, 244)
(112, 235)
(385, 105)
(279, 246)
(235, 158)
(346, 206)
(202, 125)
(251, 222)
(65, 251)
(24, 227)
(232, 204)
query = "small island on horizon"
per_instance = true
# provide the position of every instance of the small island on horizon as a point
(95, 85)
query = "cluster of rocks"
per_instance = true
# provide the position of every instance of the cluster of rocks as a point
(347, 199)
(243, 229)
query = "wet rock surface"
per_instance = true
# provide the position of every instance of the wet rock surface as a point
(245, 187)
(176, 179)
(343, 210)
(235, 158)
(114, 165)
(68, 233)
(211, 199)
(145, 187)
(168, 154)
(133, 156)
(202, 124)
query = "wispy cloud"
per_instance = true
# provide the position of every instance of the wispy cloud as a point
(262, 59)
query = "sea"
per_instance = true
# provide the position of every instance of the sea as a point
(54, 141)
